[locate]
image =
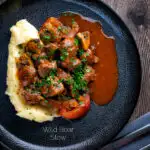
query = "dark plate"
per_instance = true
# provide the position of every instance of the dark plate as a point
(102, 123)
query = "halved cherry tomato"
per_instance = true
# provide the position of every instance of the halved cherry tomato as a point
(79, 111)
(70, 104)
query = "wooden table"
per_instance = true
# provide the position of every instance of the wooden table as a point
(136, 15)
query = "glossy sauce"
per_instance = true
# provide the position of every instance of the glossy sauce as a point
(106, 83)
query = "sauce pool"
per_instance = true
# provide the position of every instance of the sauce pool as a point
(104, 87)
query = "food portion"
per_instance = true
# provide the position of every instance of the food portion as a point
(52, 72)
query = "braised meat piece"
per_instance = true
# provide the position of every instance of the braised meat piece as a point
(31, 98)
(45, 67)
(26, 75)
(89, 74)
(70, 46)
(34, 46)
(74, 30)
(23, 60)
(71, 63)
(49, 32)
(62, 75)
(55, 88)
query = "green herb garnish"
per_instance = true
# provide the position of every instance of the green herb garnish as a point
(87, 54)
(78, 83)
(34, 58)
(84, 60)
(73, 21)
(53, 73)
(46, 101)
(81, 103)
(67, 14)
(64, 14)
(60, 81)
(51, 52)
(80, 52)
(20, 46)
(59, 28)
(64, 54)
(39, 45)
(69, 81)
(46, 37)
(42, 57)
(76, 41)
(43, 82)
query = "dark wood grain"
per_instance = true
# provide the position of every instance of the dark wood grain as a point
(136, 15)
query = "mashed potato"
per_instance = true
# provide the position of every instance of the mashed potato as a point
(22, 32)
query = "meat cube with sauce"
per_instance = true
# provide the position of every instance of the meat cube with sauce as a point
(26, 75)
(89, 57)
(71, 63)
(23, 60)
(54, 89)
(62, 75)
(45, 67)
(49, 31)
(34, 46)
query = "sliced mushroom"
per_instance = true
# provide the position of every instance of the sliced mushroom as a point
(31, 98)
(85, 39)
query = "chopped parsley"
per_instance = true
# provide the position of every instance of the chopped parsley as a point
(39, 45)
(88, 70)
(84, 60)
(42, 57)
(67, 14)
(81, 103)
(51, 52)
(53, 73)
(46, 101)
(43, 82)
(87, 54)
(64, 54)
(34, 58)
(45, 38)
(78, 83)
(72, 60)
(80, 52)
(60, 81)
(59, 28)
(76, 41)
(64, 14)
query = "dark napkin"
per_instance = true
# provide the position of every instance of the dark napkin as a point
(138, 143)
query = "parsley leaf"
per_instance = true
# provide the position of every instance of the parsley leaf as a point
(80, 52)
(76, 41)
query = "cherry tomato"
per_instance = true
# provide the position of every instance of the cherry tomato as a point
(79, 111)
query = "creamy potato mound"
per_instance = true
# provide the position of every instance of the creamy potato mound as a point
(22, 32)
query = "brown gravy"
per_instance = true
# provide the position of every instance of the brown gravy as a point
(106, 83)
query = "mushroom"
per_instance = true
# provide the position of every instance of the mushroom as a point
(85, 39)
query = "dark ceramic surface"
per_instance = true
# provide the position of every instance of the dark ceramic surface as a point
(102, 123)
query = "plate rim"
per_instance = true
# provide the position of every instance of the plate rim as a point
(78, 145)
